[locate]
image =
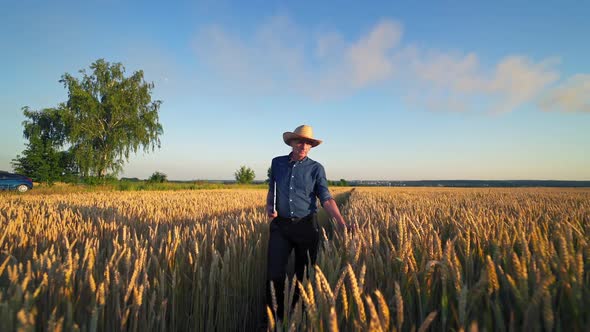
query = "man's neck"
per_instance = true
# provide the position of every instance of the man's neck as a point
(291, 159)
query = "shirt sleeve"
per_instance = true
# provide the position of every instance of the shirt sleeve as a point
(271, 178)
(321, 186)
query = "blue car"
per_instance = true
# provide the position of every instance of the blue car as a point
(10, 181)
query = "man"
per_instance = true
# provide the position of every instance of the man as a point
(295, 183)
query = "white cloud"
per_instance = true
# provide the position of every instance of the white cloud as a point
(456, 73)
(275, 57)
(281, 57)
(230, 57)
(369, 58)
(571, 96)
(520, 80)
(328, 44)
(456, 80)
(260, 64)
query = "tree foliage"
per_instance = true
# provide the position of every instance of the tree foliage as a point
(158, 177)
(109, 116)
(268, 174)
(42, 159)
(47, 125)
(244, 175)
(341, 183)
(106, 118)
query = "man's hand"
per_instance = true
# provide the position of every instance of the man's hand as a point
(271, 213)
(350, 227)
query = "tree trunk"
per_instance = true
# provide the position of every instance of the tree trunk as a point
(102, 168)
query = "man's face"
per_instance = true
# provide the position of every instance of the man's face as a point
(300, 148)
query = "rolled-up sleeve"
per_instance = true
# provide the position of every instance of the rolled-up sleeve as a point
(321, 187)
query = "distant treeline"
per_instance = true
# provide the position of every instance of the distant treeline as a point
(421, 183)
(474, 183)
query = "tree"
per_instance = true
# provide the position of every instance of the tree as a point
(268, 174)
(341, 183)
(245, 175)
(158, 177)
(41, 160)
(108, 117)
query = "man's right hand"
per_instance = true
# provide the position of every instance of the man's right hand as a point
(271, 213)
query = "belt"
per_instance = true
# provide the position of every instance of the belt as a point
(296, 219)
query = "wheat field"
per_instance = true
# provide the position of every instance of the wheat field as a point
(420, 259)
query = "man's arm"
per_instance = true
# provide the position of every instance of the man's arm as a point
(270, 197)
(332, 209)
(326, 199)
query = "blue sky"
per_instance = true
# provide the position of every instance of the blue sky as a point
(397, 90)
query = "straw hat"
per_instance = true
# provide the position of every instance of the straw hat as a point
(302, 132)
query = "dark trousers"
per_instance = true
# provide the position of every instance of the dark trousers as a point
(287, 234)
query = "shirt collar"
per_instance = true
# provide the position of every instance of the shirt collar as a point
(298, 161)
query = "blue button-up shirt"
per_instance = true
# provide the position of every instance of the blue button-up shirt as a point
(298, 183)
